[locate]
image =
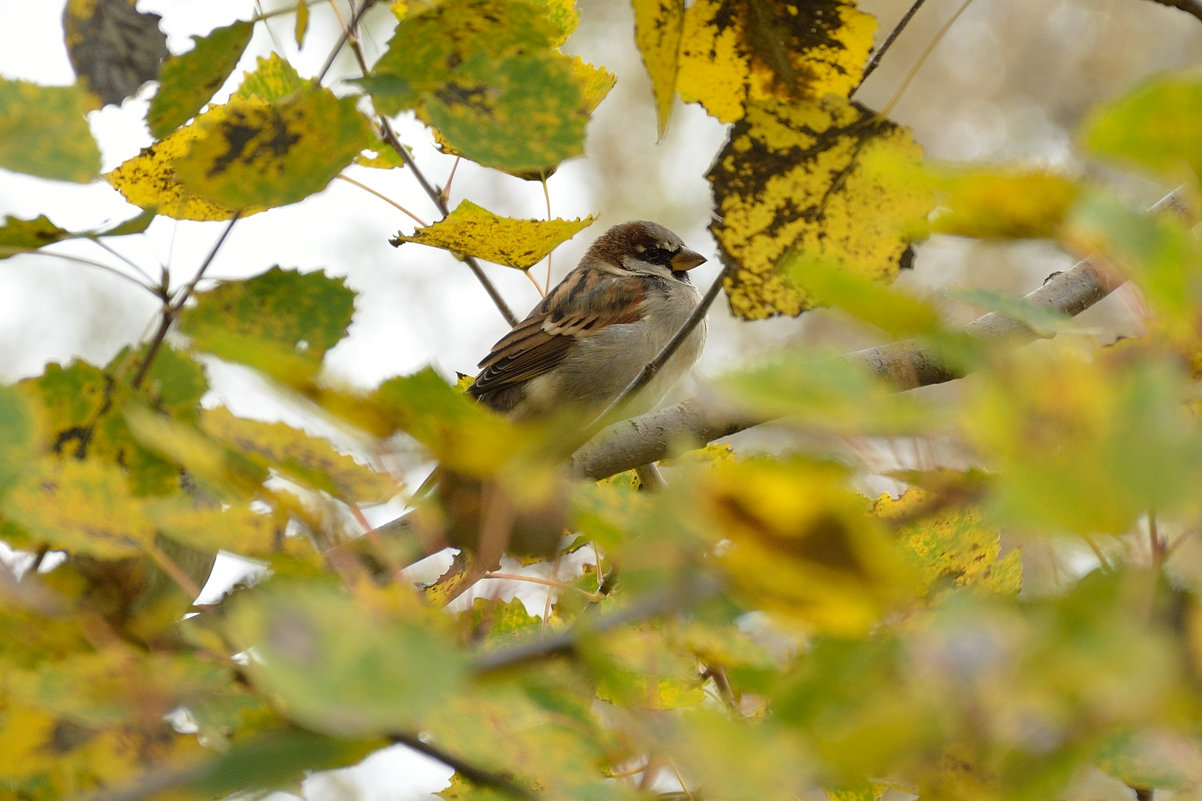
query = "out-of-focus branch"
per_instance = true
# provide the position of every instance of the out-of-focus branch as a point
(650, 437)
(1192, 7)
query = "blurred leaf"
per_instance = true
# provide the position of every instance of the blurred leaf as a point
(950, 543)
(20, 435)
(211, 528)
(272, 154)
(82, 507)
(134, 225)
(801, 545)
(43, 132)
(658, 26)
(113, 47)
(1081, 443)
(188, 81)
(833, 284)
(302, 458)
(811, 180)
(1159, 253)
(1158, 758)
(302, 23)
(278, 321)
(174, 383)
(1043, 320)
(475, 231)
(461, 434)
(278, 759)
(739, 53)
(1156, 126)
(990, 203)
(28, 234)
(824, 393)
(337, 667)
(274, 78)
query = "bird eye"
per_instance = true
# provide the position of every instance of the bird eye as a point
(657, 255)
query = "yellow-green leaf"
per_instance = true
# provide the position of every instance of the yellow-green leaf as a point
(295, 316)
(274, 78)
(1156, 127)
(811, 180)
(187, 81)
(149, 180)
(20, 434)
(302, 22)
(113, 47)
(1000, 204)
(658, 25)
(43, 132)
(80, 506)
(272, 154)
(211, 528)
(475, 231)
(737, 52)
(298, 456)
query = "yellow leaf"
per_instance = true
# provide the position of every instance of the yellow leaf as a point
(737, 52)
(149, 180)
(1000, 203)
(658, 25)
(302, 22)
(475, 231)
(811, 179)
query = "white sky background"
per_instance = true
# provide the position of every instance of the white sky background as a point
(1008, 83)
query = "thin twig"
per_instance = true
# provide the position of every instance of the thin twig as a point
(389, 136)
(922, 59)
(6, 251)
(381, 196)
(473, 773)
(348, 34)
(889, 40)
(171, 308)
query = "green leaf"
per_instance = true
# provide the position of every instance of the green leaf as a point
(1156, 127)
(279, 315)
(340, 667)
(274, 78)
(523, 115)
(21, 235)
(186, 82)
(43, 132)
(272, 154)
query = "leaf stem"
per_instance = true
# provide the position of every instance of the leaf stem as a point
(889, 40)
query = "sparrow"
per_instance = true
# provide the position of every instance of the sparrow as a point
(596, 330)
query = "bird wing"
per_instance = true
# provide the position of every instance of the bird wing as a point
(585, 302)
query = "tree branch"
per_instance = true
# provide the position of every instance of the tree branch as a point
(653, 436)
(1193, 7)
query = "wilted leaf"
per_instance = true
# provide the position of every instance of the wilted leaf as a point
(188, 81)
(735, 53)
(808, 180)
(475, 231)
(272, 154)
(335, 665)
(1156, 127)
(113, 47)
(43, 132)
(658, 25)
(280, 314)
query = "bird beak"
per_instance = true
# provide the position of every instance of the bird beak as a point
(686, 260)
